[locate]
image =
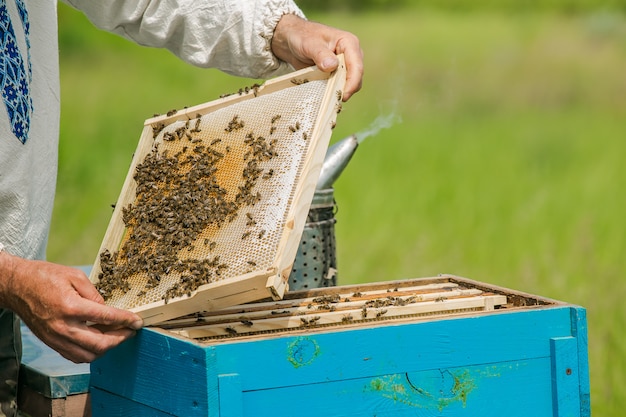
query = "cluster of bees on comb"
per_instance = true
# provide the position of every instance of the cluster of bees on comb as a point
(178, 197)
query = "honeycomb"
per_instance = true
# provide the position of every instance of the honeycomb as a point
(211, 197)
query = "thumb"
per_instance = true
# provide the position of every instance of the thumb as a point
(326, 60)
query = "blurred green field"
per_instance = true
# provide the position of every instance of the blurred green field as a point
(505, 165)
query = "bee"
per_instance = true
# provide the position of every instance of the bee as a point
(275, 118)
(297, 125)
(230, 330)
(332, 125)
(293, 129)
(251, 263)
(171, 112)
(357, 294)
(440, 299)
(157, 128)
(347, 318)
(339, 108)
(215, 141)
(246, 323)
(261, 234)
(272, 129)
(339, 94)
(305, 136)
(245, 235)
(197, 125)
(381, 313)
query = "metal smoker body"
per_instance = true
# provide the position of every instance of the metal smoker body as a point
(315, 265)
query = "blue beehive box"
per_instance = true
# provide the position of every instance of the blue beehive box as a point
(366, 350)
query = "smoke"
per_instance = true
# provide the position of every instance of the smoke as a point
(383, 121)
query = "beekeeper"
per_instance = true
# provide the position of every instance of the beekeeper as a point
(254, 38)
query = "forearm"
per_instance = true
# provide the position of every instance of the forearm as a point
(7, 276)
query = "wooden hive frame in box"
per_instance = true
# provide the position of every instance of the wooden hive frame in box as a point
(216, 197)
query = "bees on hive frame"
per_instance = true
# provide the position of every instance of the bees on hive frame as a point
(177, 197)
(159, 224)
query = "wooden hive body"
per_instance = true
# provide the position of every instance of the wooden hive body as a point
(517, 356)
(216, 198)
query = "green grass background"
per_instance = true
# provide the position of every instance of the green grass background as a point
(505, 164)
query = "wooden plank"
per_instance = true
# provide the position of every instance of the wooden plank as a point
(163, 373)
(270, 86)
(246, 287)
(383, 349)
(488, 390)
(579, 331)
(565, 381)
(341, 317)
(231, 404)
(315, 357)
(340, 296)
(303, 195)
(106, 404)
(36, 404)
(208, 297)
(78, 406)
(300, 308)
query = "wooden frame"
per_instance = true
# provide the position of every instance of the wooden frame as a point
(258, 284)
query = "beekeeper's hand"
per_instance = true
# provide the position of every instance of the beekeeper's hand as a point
(302, 43)
(58, 304)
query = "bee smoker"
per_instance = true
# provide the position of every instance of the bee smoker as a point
(315, 265)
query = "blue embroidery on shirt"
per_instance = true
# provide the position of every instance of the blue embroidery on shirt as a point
(14, 82)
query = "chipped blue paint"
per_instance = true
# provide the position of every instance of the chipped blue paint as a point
(438, 389)
(302, 351)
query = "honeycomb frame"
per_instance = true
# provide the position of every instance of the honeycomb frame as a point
(216, 198)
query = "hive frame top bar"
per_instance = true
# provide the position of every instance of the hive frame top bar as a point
(259, 279)
(355, 307)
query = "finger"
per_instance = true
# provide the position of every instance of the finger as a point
(89, 343)
(69, 347)
(109, 316)
(354, 68)
(76, 354)
(86, 289)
